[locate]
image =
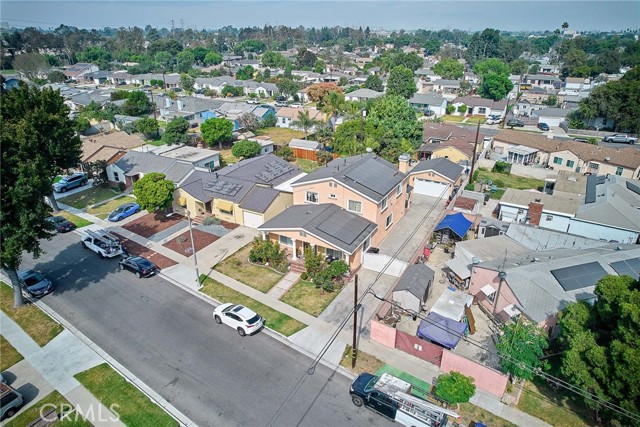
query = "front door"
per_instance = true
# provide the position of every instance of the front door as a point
(306, 246)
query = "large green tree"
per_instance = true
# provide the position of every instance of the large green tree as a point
(495, 86)
(395, 121)
(287, 87)
(38, 141)
(449, 69)
(246, 149)
(217, 131)
(374, 82)
(147, 126)
(491, 66)
(176, 131)
(455, 388)
(520, 348)
(137, 104)
(401, 82)
(153, 191)
(601, 344)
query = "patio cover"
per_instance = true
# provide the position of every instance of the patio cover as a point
(446, 332)
(456, 223)
(451, 304)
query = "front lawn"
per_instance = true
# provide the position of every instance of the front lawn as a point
(306, 297)
(307, 166)
(88, 197)
(238, 267)
(29, 317)
(364, 361)
(502, 180)
(281, 136)
(476, 119)
(275, 320)
(558, 408)
(134, 408)
(75, 219)
(450, 118)
(53, 400)
(102, 211)
(10, 355)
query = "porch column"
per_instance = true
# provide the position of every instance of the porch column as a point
(295, 249)
(264, 235)
(313, 247)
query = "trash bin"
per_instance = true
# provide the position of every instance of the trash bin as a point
(373, 250)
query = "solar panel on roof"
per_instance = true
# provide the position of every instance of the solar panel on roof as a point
(579, 276)
(274, 170)
(369, 176)
(224, 187)
(346, 231)
(629, 267)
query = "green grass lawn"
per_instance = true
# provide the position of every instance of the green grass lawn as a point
(135, 409)
(511, 181)
(476, 120)
(280, 136)
(50, 401)
(275, 320)
(364, 361)
(157, 141)
(307, 165)
(450, 118)
(103, 211)
(75, 219)
(558, 408)
(29, 317)
(238, 267)
(306, 297)
(88, 197)
(10, 355)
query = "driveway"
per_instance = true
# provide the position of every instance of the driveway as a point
(88, 185)
(415, 225)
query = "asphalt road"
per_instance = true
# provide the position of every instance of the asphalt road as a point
(168, 339)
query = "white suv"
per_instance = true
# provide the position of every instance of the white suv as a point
(239, 317)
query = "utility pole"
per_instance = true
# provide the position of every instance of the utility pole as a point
(354, 350)
(475, 149)
(501, 276)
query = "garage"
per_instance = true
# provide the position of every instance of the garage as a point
(252, 220)
(430, 188)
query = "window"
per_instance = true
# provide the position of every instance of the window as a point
(570, 163)
(311, 197)
(116, 176)
(332, 196)
(383, 204)
(333, 253)
(491, 297)
(399, 190)
(549, 217)
(284, 240)
(355, 206)
(389, 220)
(557, 160)
(594, 166)
(482, 110)
(303, 234)
(332, 184)
(619, 170)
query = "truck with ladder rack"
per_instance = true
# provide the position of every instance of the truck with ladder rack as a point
(103, 243)
(391, 397)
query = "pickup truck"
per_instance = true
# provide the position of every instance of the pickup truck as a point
(103, 243)
(620, 137)
(391, 397)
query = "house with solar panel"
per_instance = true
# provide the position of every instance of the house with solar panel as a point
(538, 285)
(247, 193)
(342, 210)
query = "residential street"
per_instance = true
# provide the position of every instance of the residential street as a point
(167, 338)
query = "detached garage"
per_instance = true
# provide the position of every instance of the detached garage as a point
(435, 177)
(414, 287)
(430, 188)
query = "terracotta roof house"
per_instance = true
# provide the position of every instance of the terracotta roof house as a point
(78, 71)
(108, 147)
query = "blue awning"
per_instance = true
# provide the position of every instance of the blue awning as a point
(443, 331)
(455, 222)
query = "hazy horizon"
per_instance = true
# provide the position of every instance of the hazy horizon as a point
(407, 15)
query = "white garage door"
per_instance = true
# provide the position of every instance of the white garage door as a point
(429, 188)
(252, 220)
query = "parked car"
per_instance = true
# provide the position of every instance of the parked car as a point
(253, 101)
(515, 123)
(124, 211)
(35, 283)
(70, 182)
(142, 267)
(239, 317)
(61, 224)
(281, 98)
(543, 126)
(281, 104)
(10, 401)
(493, 120)
(581, 139)
(620, 137)
(295, 105)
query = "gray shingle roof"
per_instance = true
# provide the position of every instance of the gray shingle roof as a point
(267, 169)
(417, 278)
(305, 143)
(427, 98)
(328, 222)
(364, 93)
(440, 165)
(135, 162)
(552, 112)
(367, 174)
(259, 199)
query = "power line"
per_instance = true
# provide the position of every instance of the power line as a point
(342, 324)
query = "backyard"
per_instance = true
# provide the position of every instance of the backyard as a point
(238, 267)
(274, 320)
(306, 297)
(88, 197)
(307, 165)
(280, 136)
(502, 180)
(558, 408)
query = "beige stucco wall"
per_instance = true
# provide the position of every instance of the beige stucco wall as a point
(607, 168)
(565, 156)
(193, 205)
(279, 205)
(450, 153)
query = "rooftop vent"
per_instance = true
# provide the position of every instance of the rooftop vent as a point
(606, 159)
(475, 260)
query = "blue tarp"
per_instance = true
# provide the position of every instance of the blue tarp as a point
(455, 222)
(443, 331)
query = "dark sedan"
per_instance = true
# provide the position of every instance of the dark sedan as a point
(62, 225)
(124, 211)
(543, 126)
(35, 283)
(140, 266)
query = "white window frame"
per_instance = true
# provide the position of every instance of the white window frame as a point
(354, 210)
(399, 190)
(116, 176)
(332, 196)
(557, 160)
(285, 238)
(619, 169)
(387, 222)
(306, 197)
(384, 204)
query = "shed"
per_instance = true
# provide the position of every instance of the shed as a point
(452, 304)
(452, 226)
(441, 330)
(305, 149)
(414, 287)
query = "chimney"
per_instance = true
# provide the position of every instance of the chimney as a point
(403, 161)
(535, 212)
(180, 105)
(167, 102)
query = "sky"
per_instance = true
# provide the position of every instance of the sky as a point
(505, 15)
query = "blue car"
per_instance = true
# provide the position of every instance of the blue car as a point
(124, 211)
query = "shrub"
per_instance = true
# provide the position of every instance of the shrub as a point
(284, 152)
(455, 387)
(211, 220)
(502, 167)
(304, 276)
(267, 251)
(327, 277)
(469, 187)
(122, 186)
(498, 183)
(450, 109)
(462, 109)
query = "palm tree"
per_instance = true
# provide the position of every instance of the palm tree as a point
(304, 122)
(565, 25)
(333, 104)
